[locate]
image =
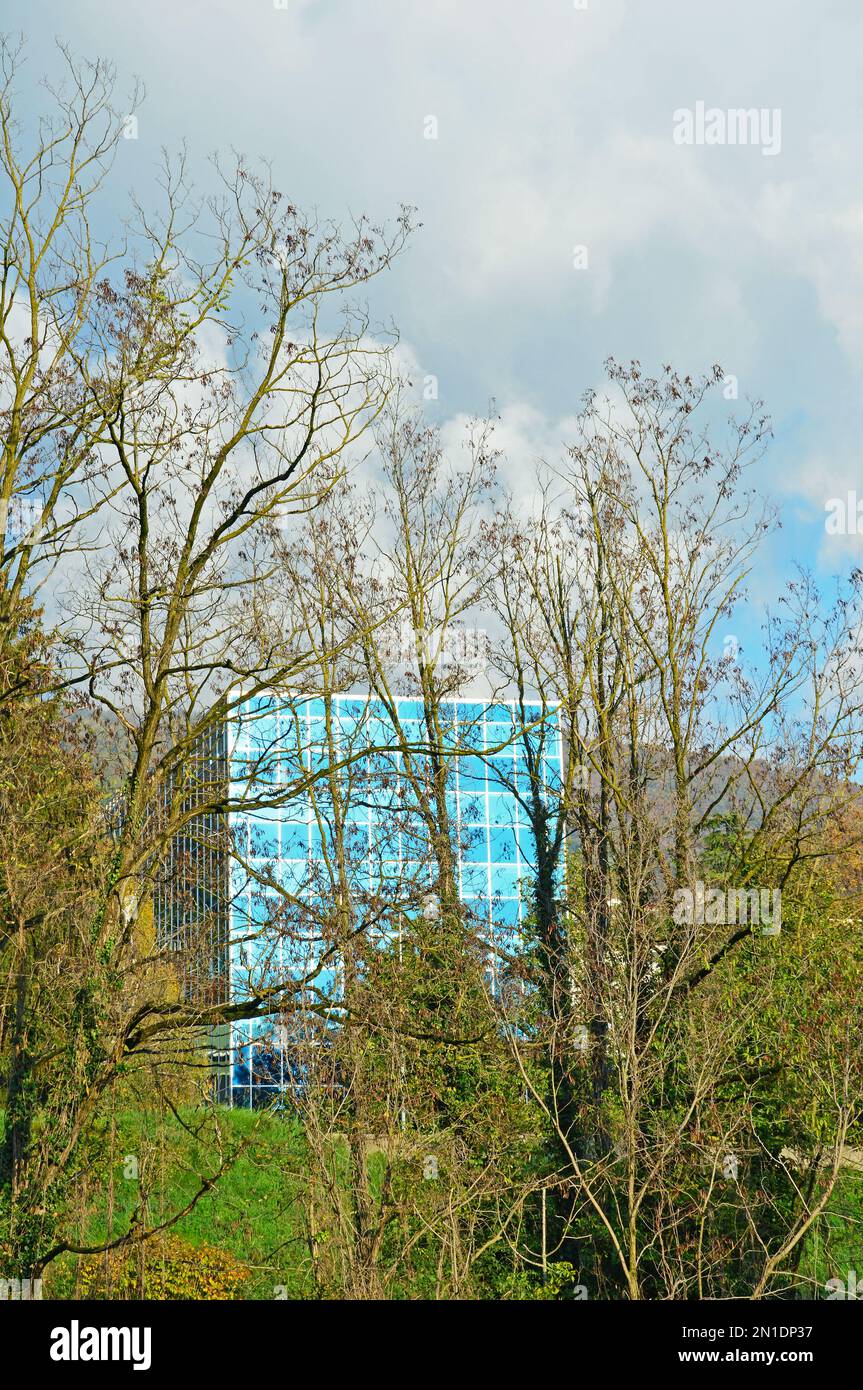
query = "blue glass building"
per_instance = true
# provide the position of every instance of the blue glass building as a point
(333, 794)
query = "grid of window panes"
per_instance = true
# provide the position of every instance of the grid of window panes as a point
(280, 881)
(189, 892)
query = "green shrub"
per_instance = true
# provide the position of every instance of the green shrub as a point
(164, 1268)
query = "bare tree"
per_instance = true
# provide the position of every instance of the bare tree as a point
(218, 401)
(52, 287)
(681, 780)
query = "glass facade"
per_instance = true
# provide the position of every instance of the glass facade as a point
(190, 890)
(339, 800)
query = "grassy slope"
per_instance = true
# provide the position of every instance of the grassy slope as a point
(254, 1212)
(838, 1250)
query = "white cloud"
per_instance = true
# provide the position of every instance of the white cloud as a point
(555, 130)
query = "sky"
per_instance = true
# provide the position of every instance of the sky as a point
(564, 218)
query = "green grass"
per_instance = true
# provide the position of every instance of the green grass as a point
(836, 1248)
(253, 1211)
